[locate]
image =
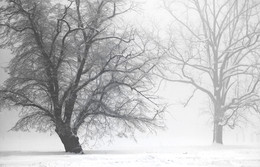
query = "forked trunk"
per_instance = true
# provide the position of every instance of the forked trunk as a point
(69, 140)
(218, 133)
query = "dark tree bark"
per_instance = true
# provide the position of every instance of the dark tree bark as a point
(68, 138)
(70, 141)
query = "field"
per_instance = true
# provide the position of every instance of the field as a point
(200, 156)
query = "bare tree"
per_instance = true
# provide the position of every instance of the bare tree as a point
(218, 54)
(75, 71)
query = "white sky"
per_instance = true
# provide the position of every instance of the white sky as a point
(186, 126)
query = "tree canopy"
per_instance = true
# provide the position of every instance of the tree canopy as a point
(77, 67)
(216, 51)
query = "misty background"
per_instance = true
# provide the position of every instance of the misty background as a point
(190, 125)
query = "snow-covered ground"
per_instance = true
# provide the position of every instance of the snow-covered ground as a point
(203, 156)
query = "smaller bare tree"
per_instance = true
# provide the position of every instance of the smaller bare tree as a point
(218, 54)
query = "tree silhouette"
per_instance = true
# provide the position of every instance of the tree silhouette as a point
(218, 55)
(77, 69)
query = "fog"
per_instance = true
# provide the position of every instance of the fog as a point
(186, 126)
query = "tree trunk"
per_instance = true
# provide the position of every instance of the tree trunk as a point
(69, 140)
(218, 116)
(218, 133)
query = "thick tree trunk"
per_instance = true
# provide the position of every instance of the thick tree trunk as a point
(218, 133)
(69, 140)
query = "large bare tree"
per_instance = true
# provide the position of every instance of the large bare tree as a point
(217, 52)
(77, 69)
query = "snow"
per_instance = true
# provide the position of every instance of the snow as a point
(199, 156)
